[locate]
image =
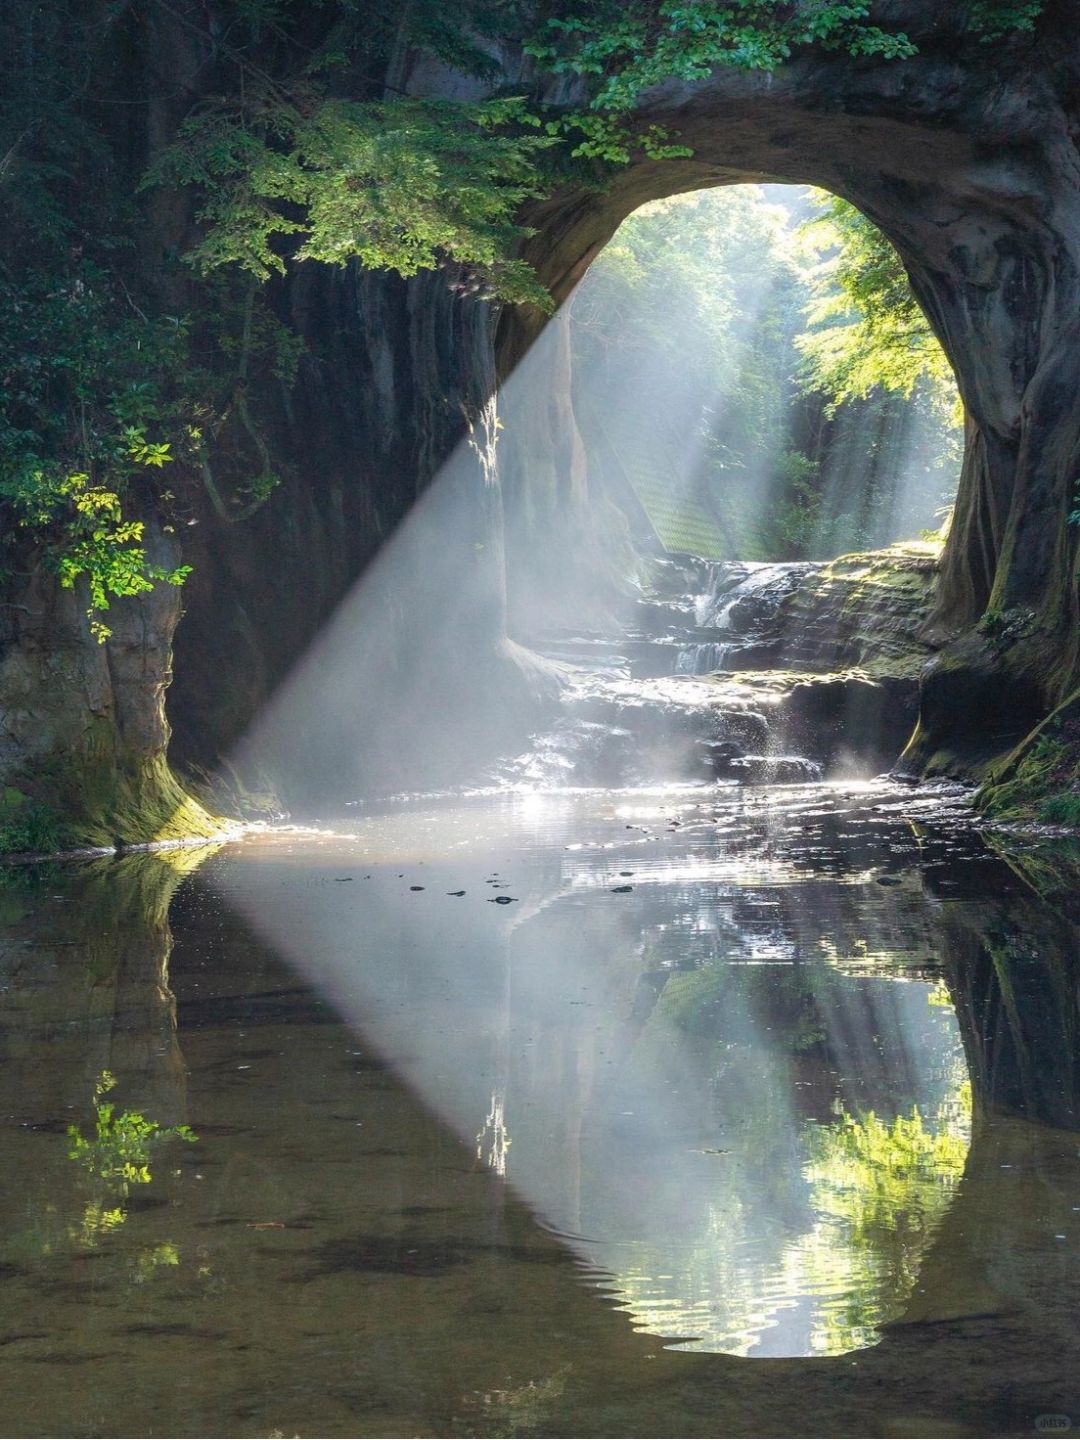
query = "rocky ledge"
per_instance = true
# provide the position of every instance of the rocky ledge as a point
(845, 685)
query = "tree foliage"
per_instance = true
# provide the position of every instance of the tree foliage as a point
(627, 49)
(623, 50)
(399, 185)
(994, 20)
(866, 329)
(86, 418)
(691, 329)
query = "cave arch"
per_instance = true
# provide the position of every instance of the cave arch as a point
(971, 171)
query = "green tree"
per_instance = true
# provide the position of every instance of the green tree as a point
(865, 328)
(401, 186)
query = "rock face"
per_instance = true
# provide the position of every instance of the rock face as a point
(867, 611)
(82, 724)
(1011, 969)
(396, 378)
(844, 667)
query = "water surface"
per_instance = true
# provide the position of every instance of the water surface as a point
(699, 1112)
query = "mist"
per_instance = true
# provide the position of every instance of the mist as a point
(657, 416)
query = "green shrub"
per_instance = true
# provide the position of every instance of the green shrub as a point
(121, 1150)
(28, 827)
(1062, 810)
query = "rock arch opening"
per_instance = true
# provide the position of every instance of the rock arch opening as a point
(712, 391)
(972, 177)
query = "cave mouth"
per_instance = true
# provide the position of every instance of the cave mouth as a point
(656, 492)
(741, 375)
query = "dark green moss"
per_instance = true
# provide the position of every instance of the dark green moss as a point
(1040, 779)
(93, 801)
(1062, 810)
(27, 825)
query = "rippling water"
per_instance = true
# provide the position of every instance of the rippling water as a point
(502, 1104)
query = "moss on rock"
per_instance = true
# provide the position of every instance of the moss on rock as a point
(1040, 779)
(864, 611)
(83, 732)
(71, 803)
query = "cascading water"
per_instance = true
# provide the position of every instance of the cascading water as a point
(640, 710)
(740, 618)
(703, 659)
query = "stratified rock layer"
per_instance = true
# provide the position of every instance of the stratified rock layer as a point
(865, 611)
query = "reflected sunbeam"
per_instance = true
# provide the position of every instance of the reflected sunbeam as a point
(740, 1104)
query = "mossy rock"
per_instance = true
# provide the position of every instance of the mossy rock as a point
(92, 802)
(865, 610)
(1040, 779)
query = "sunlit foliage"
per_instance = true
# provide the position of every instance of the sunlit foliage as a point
(883, 1187)
(699, 313)
(124, 1141)
(85, 418)
(866, 329)
(695, 262)
(712, 264)
(398, 186)
(116, 1156)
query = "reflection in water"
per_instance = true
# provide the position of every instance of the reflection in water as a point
(726, 1112)
(88, 1016)
(119, 1154)
(734, 1096)
(879, 1192)
(701, 1070)
(765, 1217)
(493, 1139)
(117, 1157)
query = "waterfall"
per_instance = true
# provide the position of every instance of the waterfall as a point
(744, 605)
(638, 707)
(701, 659)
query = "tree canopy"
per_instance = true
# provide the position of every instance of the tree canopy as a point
(714, 314)
(866, 329)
